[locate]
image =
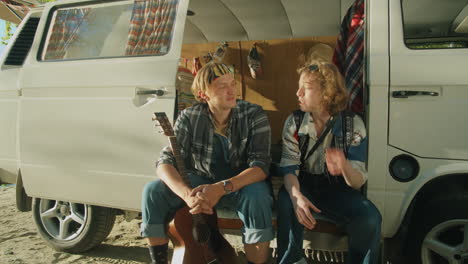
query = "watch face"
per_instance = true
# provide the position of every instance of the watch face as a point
(227, 186)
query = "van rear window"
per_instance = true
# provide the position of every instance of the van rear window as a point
(435, 24)
(112, 29)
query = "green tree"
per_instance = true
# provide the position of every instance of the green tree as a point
(10, 27)
(9, 30)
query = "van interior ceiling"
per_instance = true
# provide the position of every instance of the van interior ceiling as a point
(242, 20)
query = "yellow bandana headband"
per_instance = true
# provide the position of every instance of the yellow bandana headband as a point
(217, 71)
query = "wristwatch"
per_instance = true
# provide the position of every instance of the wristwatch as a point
(228, 186)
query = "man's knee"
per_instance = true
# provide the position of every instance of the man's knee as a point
(153, 189)
(257, 193)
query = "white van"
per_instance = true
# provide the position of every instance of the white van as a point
(75, 108)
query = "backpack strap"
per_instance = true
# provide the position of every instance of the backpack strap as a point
(347, 131)
(303, 140)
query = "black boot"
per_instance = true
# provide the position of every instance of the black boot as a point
(158, 254)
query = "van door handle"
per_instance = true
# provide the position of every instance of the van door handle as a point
(406, 94)
(157, 92)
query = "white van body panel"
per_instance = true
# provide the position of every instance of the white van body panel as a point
(377, 79)
(96, 129)
(9, 96)
(424, 125)
(429, 128)
(399, 195)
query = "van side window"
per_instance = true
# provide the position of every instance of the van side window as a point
(23, 43)
(112, 29)
(435, 24)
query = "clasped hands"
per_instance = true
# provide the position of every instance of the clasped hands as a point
(203, 198)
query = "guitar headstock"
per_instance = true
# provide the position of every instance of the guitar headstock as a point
(163, 121)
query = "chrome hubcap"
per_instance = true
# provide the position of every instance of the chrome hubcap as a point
(62, 220)
(446, 243)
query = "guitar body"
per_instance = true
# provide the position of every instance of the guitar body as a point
(188, 251)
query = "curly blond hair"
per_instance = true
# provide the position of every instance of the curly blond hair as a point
(333, 91)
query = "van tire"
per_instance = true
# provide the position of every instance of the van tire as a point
(445, 216)
(72, 227)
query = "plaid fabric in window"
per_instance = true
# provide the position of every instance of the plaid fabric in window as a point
(67, 23)
(151, 27)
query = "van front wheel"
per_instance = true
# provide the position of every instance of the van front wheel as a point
(72, 227)
(447, 242)
(442, 234)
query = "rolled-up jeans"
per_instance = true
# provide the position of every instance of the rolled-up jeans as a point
(252, 203)
(349, 208)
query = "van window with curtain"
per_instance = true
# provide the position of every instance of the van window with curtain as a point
(115, 29)
(435, 24)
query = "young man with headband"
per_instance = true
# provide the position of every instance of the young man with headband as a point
(225, 144)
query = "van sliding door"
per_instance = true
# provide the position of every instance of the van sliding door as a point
(95, 74)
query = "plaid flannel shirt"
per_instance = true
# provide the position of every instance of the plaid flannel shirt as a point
(248, 133)
(349, 54)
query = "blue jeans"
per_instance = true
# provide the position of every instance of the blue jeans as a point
(253, 205)
(349, 208)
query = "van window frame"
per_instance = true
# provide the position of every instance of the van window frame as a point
(423, 41)
(92, 2)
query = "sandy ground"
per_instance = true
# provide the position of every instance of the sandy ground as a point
(20, 243)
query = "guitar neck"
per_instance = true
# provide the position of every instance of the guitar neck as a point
(197, 218)
(179, 160)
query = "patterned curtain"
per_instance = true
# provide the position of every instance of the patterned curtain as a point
(349, 54)
(65, 31)
(151, 27)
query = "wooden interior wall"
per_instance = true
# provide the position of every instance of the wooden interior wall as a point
(275, 90)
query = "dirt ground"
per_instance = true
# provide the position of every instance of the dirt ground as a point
(20, 243)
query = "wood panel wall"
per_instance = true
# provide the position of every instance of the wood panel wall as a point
(275, 90)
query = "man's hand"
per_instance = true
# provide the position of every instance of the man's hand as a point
(212, 192)
(336, 161)
(208, 196)
(302, 207)
(198, 203)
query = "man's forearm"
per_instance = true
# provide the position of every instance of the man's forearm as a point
(171, 177)
(246, 177)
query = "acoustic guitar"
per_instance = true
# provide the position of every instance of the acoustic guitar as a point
(196, 238)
